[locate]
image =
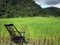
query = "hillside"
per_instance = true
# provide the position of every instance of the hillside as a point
(52, 11)
(25, 8)
(17, 8)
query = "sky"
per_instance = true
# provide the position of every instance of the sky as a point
(48, 3)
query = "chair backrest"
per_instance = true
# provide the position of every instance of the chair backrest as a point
(12, 30)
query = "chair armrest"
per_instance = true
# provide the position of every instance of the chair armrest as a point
(22, 33)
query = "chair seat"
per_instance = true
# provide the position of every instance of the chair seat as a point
(18, 39)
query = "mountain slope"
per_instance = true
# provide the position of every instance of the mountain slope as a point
(54, 11)
(17, 8)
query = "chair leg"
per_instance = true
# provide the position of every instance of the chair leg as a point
(11, 43)
(21, 43)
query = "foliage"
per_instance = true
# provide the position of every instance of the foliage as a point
(35, 28)
(25, 8)
(52, 11)
(16, 8)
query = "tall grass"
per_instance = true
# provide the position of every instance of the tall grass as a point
(37, 28)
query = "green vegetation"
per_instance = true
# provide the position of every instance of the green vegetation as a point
(37, 28)
(52, 11)
(25, 8)
(45, 30)
(18, 8)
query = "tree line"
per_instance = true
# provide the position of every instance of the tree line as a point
(25, 8)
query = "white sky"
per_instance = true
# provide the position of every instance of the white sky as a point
(48, 3)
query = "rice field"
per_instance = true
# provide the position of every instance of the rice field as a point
(38, 30)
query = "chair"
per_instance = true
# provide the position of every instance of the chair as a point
(15, 35)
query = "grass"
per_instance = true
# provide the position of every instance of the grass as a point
(37, 28)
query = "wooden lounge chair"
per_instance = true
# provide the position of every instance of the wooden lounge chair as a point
(15, 35)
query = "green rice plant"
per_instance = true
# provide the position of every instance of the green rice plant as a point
(35, 28)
